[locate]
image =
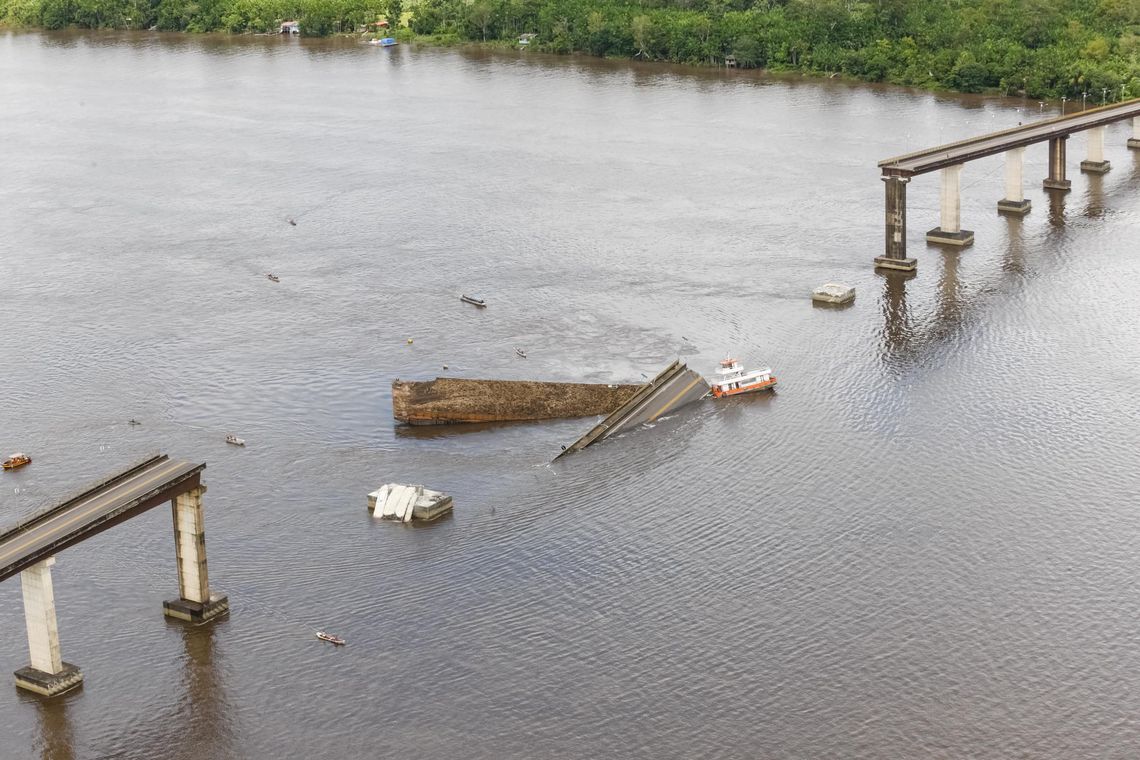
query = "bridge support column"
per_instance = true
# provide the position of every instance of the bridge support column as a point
(1095, 162)
(1134, 141)
(1014, 201)
(195, 603)
(1056, 179)
(47, 674)
(950, 231)
(894, 256)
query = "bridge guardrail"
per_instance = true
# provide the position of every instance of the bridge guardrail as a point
(35, 517)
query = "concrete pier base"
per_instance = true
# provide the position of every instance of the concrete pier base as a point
(1019, 208)
(49, 684)
(1095, 162)
(196, 612)
(960, 238)
(903, 265)
(1134, 143)
(1014, 201)
(1056, 179)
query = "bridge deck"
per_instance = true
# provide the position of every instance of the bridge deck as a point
(129, 493)
(932, 159)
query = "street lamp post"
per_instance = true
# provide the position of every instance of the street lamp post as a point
(1122, 91)
(1063, 100)
(1103, 95)
(1084, 97)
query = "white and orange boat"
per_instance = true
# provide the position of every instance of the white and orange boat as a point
(732, 379)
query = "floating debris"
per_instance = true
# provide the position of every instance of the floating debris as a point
(405, 503)
(473, 301)
(833, 292)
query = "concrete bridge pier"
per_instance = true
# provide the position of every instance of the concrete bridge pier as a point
(1014, 201)
(47, 674)
(950, 232)
(1134, 141)
(1095, 162)
(195, 603)
(894, 256)
(1056, 179)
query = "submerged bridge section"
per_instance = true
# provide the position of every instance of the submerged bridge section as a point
(29, 549)
(950, 158)
(674, 387)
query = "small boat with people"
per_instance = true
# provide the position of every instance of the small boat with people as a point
(733, 380)
(234, 440)
(330, 638)
(272, 277)
(16, 460)
(520, 352)
(473, 301)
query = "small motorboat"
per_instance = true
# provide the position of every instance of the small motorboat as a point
(272, 277)
(520, 352)
(16, 460)
(331, 638)
(291, 222)
(732, 380)
(473, 301)
(132, 422)
(383, 42)
(235, 440)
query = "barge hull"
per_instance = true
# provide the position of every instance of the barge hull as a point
(452, 400)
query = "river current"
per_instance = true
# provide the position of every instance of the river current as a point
(924, 544)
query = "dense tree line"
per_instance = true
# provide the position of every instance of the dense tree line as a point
(1046, 48)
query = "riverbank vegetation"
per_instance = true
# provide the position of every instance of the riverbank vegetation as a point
(1044, 48)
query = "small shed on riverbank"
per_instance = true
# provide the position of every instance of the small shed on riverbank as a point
(290, 27)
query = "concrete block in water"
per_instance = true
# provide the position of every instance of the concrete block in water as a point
(833, 292)
(406, 503)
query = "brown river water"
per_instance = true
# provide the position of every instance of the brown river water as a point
(926, 544)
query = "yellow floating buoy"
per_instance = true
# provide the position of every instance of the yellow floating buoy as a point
(409, 340)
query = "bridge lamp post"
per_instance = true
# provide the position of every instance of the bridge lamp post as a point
(1103, 95)
(1084, 97)
(1063, 100)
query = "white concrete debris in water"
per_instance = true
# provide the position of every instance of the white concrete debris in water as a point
(405, 503)
(833, 292)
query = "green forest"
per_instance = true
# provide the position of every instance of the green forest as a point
(1044, 48)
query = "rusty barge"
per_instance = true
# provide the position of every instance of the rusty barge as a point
(450, 400)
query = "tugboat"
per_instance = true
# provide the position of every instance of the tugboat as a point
(337, 640)
(732, 380)
(16, 460)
